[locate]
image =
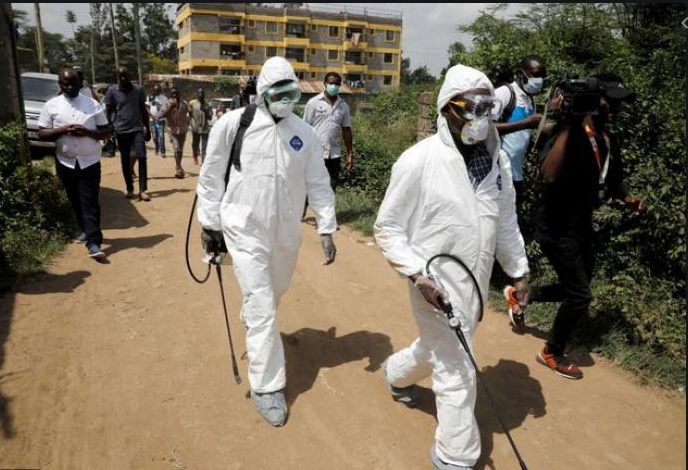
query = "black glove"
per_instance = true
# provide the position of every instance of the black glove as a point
(213, 241)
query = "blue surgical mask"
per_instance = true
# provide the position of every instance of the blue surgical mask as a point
(533, 86)
(332, 90)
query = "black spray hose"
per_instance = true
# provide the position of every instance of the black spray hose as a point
(216, 260)
(186, 248)
(455, 325)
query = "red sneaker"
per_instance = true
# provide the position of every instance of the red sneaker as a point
(559, 364)
(515, 313)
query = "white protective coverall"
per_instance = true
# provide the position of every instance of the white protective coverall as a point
(260, 214)
(431, 207)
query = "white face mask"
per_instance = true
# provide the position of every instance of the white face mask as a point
(280, 109)
(475, 131)
(533, 86)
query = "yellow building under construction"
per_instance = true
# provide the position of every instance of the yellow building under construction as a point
(362, 44)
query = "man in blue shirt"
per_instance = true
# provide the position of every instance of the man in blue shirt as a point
(519, 117)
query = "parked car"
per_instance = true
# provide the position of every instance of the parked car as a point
(37, 88)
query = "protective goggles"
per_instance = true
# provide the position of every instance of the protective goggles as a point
(470, 107)
(288, 93)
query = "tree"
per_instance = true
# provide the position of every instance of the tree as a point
(159, 31)
(419, 75)
(644, 45)
(70, 17)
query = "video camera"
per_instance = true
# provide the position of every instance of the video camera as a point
(581, 97)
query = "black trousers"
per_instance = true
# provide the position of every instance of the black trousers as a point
(333, 166)
(126, 142)
(573, 260)
(518, 186)
(83, 191)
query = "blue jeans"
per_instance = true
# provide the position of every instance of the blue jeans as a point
(159, 135)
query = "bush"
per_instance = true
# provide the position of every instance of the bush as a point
(35, 216)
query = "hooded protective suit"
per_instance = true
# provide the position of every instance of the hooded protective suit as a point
(431, 207)
(260, 213)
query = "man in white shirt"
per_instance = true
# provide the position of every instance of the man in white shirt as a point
(77, 122)
(519, 118)
(328, 114)
(155, 103)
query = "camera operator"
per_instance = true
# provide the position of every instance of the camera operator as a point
(581, 162)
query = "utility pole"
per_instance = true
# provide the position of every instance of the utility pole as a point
(95, 13)
(135, 7)
(39, 36)
(114, 43)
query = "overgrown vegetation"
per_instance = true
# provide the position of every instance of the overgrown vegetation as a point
(35, 217)
(638, 314)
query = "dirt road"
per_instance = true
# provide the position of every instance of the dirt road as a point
(125, 365)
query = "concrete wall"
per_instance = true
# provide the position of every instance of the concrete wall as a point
(204, 49)
(205, 23)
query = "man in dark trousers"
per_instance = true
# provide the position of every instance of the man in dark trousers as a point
(76, 122)
(581, 165)
(126, 109)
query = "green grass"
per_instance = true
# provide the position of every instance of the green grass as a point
(611, 341)
(356, 210)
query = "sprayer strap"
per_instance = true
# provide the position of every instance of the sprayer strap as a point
(235, 154)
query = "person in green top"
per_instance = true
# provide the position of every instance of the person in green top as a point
(200, 113)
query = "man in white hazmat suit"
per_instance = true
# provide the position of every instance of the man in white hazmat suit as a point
(258, 217)
(451, 193)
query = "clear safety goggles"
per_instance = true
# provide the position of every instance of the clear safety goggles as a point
(470, 107)
(287, 93)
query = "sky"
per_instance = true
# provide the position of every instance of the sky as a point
(428, 28)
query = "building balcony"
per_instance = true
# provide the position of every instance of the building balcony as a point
(354, 68)
(290, 41)
(348, 44)
(300, 66)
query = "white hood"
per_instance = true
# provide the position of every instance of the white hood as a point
(274, 70)
(459, 79)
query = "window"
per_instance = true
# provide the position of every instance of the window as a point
(231, 51)
(369, 77)
(299, 55)
(250, 72)
(333, 54)
(312, 51)
(371, 32)
(389, 35)
(370, 55)
(355, 80)
(295, 30)
(251, 23)
(181, 50)
(387, 80)
(230, 25)
(354, 34)
(333, 31)
(354, 57)
(389, 58)
(270, 51)
(231, 72)
(313, 74)
(250, 48)
(299, 75)
(314, 27)
(271, 27)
